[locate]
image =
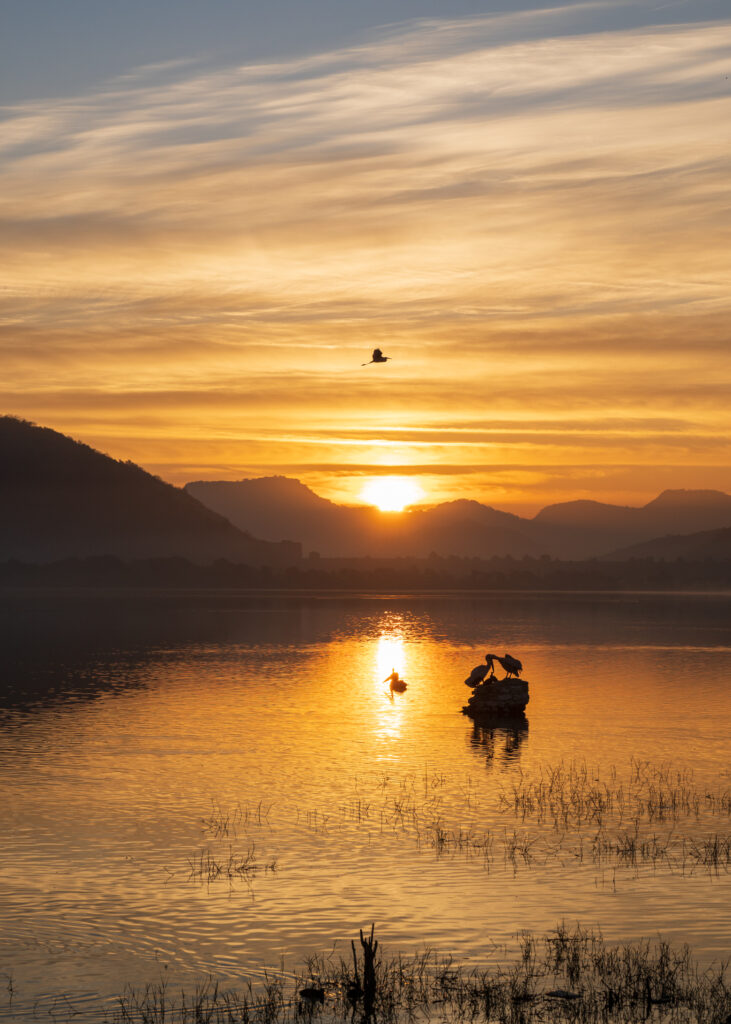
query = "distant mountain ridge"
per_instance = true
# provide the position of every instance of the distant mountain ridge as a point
(61, 498)
(281, 507)
(693, 547)
(601, 528)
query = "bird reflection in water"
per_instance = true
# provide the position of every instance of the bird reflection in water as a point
(500, 739)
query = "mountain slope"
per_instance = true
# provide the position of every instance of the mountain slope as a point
(278, 507)
(59, 498)
(583, 529)
(693, 547)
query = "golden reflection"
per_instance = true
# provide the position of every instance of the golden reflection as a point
(390, 657)
(501, 741)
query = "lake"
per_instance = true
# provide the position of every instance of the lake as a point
(219, 783)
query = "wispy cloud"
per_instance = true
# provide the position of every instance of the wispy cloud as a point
(526, 218)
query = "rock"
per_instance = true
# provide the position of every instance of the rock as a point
(507, 696)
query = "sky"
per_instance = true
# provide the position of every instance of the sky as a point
(210, 215)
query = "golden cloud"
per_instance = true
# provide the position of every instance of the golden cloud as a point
(523, 224)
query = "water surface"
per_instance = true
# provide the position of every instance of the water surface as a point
(146, 739)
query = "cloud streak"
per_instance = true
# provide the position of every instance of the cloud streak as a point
(527, 219)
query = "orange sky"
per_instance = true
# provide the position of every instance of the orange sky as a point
(195, 264)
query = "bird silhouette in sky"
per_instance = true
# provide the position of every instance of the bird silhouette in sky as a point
(377, 357)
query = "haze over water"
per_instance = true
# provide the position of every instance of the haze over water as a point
(146, 738)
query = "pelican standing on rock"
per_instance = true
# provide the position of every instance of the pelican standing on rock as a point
(480, 672)
(512, 666)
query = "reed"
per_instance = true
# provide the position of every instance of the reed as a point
(208, 865)
(230, 822)
(643, 815)
(713, 851)
(570, 976)
(574, 794)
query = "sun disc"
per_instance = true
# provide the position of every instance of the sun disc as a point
(391, 493)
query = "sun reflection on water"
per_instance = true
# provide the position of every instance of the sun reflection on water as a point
(390, 656)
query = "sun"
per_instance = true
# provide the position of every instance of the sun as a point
(391, 493)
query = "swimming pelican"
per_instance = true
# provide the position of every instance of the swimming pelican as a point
(395, 682)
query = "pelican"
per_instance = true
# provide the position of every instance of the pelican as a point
(480, 672)
(512, 666)
(395, 682)
(377, 357)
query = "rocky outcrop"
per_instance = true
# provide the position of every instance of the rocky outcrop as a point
(503, 697)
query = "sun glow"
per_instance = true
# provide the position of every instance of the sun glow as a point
(391, 493)
(389, 657)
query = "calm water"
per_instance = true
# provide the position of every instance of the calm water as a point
(144, 740)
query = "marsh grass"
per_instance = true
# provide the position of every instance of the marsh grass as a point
(574, 794)
(9, 988)
(713, 851)
(645, 816)
(571, 975)
(209, 865)
(230, 822)
(208, 1003)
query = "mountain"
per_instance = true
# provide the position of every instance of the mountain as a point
(280, 507)
(469, 529)
(61, 498)
(586, 529)
(276, 507)
(714, 545)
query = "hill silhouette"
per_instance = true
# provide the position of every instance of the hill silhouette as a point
(600, 528)
(697, 547)
(61, 498)
(279, 507)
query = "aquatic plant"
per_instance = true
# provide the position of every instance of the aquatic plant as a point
(207, 865)
(570, 975)
(220, 822)
(573, 793)
(644, 815)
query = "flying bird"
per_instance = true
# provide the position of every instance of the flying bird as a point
(377, 357)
